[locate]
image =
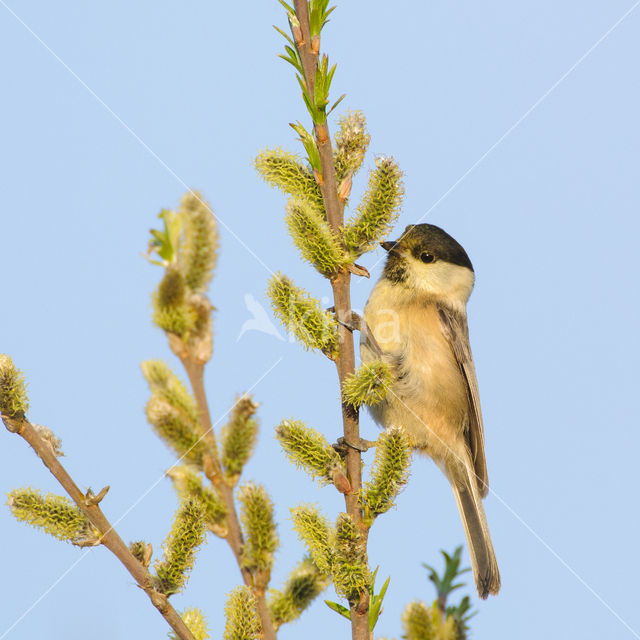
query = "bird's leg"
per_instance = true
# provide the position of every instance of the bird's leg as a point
(362, 445)
(353, 321)
(357, 323)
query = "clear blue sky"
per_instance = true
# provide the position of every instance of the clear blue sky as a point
(188, 93)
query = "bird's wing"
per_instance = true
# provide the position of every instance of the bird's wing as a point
(454, 327)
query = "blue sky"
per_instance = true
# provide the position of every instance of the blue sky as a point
(111, 110)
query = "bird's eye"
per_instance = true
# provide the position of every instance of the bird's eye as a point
(426, 257)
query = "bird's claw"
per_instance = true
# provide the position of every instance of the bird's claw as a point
(352, 323)
(362, 445)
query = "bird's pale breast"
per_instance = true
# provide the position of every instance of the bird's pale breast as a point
(429, 398)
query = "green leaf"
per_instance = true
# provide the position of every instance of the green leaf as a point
(284, 35)
(375, 604)
(293, 58)
(288, 7)
(318, 14)
(337, 102)
(338, 608)
(165, 242)
(445, 584)
(309, 143)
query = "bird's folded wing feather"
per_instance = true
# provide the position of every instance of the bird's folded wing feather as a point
(455, 329)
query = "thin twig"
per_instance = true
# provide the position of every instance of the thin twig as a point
(345, 363)
(109, 537)
(234, 537)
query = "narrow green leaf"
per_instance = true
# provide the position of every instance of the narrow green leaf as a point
(284, 35)
(337, 102)
(376, 604)
(288, 7)
(338, 608)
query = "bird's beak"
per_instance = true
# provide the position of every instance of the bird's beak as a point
(389, 245)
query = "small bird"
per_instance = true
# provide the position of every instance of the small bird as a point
(416, 322)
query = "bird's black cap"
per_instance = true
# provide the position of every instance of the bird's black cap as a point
(418, 239)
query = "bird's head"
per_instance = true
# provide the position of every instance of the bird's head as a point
(427, 261)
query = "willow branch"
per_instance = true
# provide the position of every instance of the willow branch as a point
(195, 373)
(342, 303)
(258, 584)
(109, 537)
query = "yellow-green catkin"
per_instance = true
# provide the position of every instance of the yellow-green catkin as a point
(186, 535)
(173, 413)
(389, 475)
(313, 237)
(421, 622)
(54, 514)
(351, 143)
(242, 620)
(14, 401)
(199, 250)
(317, 534)
(196, 623)
(350, 572)
(377, 210)
(141, 551)
(286, 172)
(369, 385)
(188, 484)
(309, 449)
(303, 585)
(171, 310)
(256, 515)
(166, 384)
(238, 437)
(303, 316)
(179, 433)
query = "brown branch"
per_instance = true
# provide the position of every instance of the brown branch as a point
(91, 509)
(345, 363)
(212, 469)
(195, 373)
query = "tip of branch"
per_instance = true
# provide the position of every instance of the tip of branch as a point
(91, 499)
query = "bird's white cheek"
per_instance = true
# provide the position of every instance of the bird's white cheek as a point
(443, 280)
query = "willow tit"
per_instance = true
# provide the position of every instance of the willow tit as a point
(417, 323)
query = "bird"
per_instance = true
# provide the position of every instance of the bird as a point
(416, 323)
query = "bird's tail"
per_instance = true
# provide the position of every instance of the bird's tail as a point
(483, 557)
